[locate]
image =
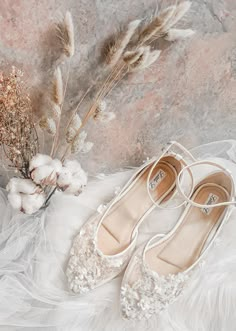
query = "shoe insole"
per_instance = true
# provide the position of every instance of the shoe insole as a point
(184, 247)
(115, 232)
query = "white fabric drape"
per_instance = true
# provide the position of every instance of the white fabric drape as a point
(34, 252)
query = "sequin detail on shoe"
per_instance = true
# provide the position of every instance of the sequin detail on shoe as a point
(150, 293)
(88, 267)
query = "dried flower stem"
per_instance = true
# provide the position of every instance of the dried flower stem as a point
(116, 51)
(56, 137)
(138, 57)
(65, 33)
(77, 107)
(110, 82)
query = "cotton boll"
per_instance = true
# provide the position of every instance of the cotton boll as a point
(57, 165)
(65, 178)
(32, 203)
(39, 160)
(21, 185)
(44, 174)
(15, 200)
(45, 170)
(75, 187)
(79, 180)
(76, 180)
(82, 177)
(73, 166)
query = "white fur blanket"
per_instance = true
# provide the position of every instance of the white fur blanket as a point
(34, 253)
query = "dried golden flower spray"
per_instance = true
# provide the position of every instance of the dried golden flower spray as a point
(18, 136)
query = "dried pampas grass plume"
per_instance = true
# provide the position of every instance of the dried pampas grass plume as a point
(176, 34)
(152, 57)
(129, 52)
(74, 126)
(48, 124)
(144, 59)
(102, 114)
(76, 122)
(154, 29)
(102, 106)
(80, 145)
(180, 11)
(116, 49)
(131, 57)
(65, 33)
(55, 111)
(160, 25)
(57, 93)
(105, 117)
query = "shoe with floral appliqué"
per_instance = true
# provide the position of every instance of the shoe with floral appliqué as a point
(161, 269)
(105, 243)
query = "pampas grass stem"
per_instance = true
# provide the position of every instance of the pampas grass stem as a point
(116, 51)
(57, 94)
(56, 138)
(65, 34)
(156, 25)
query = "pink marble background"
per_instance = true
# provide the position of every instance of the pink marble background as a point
(189, 95)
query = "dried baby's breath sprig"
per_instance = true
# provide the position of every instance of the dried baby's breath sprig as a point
(118, 45)
(57, 87)
(18, 135)
(65, 33)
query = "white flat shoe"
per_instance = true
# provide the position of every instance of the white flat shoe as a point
(160, 270)
(105, 243)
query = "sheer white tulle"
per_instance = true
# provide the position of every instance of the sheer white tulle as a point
(34, 251)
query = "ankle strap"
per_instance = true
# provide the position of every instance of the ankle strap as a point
(178, 156)
(188, 200)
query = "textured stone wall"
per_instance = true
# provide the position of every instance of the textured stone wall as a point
(189, 95)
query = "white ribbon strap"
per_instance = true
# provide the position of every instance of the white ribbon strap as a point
(179, 189)
(166, 150)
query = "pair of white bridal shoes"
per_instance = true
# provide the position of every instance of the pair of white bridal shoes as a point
(158, 271)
